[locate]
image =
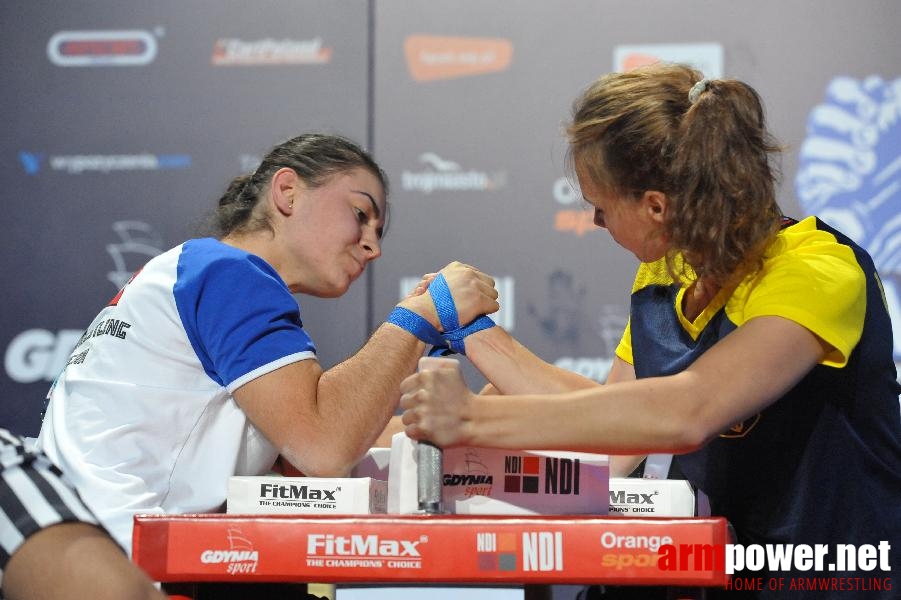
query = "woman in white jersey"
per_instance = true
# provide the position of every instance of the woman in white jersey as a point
(200, 368)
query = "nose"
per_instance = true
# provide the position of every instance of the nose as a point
(372, 247)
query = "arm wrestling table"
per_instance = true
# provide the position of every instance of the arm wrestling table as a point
(460, 549)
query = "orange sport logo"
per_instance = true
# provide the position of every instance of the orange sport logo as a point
(431, 58)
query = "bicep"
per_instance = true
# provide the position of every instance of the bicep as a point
(751, 368)
(282, 403)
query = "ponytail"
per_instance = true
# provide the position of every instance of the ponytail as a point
(235, 205)
(726, 213)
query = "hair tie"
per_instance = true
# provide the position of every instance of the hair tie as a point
(697, 89)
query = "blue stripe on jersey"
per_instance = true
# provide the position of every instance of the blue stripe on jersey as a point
(660, 344)
(237, 312)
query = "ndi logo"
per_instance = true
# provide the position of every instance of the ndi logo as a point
(541, 551)
(496, 551)
(522, 474)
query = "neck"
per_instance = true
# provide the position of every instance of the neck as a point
(698, 296)
(260, 244)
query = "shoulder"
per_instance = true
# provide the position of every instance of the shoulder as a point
(811, 275)
(205, 259)
(210, 253)
(812, 249)
(652, 274)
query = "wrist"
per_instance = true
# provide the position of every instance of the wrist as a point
(414, 324)
(491, 341)
(470, 421)
(422, 305)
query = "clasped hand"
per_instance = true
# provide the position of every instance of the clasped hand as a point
(437, 406)
(472, 290)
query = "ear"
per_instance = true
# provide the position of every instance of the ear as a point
(285, 189)
(656, 204)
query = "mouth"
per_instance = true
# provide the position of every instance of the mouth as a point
(361, 266)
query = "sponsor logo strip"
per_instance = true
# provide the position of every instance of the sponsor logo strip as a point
(230, 52)
(431, 58)
(384, 548)
(113, 48)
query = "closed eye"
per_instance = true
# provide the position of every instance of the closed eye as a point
(377, 214)
(364, 219)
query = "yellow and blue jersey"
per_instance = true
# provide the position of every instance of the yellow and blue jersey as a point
(822, 464)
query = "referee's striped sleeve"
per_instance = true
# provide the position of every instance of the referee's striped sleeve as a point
(34, 495)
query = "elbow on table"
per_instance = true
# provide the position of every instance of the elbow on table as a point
(689, 432)
(326, 462)
(693, 419)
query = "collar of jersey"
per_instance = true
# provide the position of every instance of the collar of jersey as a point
(694, 328)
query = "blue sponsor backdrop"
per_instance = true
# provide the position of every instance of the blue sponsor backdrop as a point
(123, 122)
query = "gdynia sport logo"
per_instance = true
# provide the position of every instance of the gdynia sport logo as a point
(812, 567)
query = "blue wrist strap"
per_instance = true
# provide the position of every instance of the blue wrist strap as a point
(449, 342)
(455, 338)
(447, 313)
(419, 327)
(444, 303)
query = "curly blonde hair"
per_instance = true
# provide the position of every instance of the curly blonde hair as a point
(713, 158)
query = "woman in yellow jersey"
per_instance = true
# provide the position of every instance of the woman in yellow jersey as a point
(758, 350)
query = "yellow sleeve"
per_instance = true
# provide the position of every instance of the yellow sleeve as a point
(624, 348)
(816, 282)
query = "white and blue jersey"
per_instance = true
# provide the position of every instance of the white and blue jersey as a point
(142, 419)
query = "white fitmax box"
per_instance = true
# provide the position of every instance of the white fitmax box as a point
(306, 495)
(634, 496)
(487, 481)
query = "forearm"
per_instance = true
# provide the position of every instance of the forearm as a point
(514, 369)
(650, 415)
(357, 397)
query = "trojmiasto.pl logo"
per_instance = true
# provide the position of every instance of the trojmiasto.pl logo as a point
(441, 174)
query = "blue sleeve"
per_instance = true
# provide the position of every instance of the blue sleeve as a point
(237, 312)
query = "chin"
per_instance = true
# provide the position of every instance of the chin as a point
(330, 289)
(335, 292)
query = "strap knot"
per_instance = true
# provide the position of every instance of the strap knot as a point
(452, 340)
